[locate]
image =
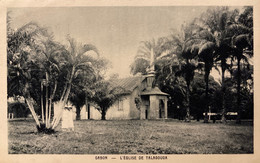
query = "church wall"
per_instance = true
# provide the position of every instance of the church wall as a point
(134, 112)
(94, 113)
(83, 111)
(120, 109)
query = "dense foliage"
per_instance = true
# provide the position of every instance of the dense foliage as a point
(43, 71)
(220, 39)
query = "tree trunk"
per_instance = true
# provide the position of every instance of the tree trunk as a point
(64, 99)
(42, 103)
(103, 115)
(206, 96)
(187, 118)
(50, 102)
(28, 101)
(47, 100)
(238, 121)
(30, 105)
(223, 113)
(77, 113)
(63, 103)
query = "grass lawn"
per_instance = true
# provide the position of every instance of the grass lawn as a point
(133, 137)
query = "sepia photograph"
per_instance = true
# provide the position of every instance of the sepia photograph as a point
(129, 81)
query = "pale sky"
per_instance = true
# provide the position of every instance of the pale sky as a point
(115, 31)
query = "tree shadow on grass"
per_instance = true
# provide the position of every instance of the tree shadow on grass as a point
(39, 132)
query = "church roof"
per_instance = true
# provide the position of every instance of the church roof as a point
(129, 84)
(154, 91)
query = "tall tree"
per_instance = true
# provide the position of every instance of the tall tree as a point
(77, 60)
(211, 31)
(207, 55)
(104, 95)
(37, 64)
(180, 48)
(81, 89)
(215, 22)
(78, 99)
(50, 57)
(241, 36)
(21, 70)
(143, 59)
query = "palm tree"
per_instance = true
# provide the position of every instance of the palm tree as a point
(181, 47)
(79, 92)
(78, 99)
(241, 36)
(105, 95)
(219, 32)
(144, 60)
(223, 17)
(207, 55)
(32, 56)
(49, 58)
(214, 44)
(21, 71)
(77, 61)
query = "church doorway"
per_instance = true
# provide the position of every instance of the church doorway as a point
(88, 109)
(161, 109)
(146, 111)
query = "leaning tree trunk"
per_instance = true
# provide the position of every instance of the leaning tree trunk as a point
(206, 96)
(50, 102)
(29, 102)
(47, 101)
(238, 120)
(61, 106)
(187, 118)
(30, 105)
(223, 89)
(63, 99)
(43, 121)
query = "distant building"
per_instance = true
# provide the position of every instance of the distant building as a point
(138, 91)
(17, 108)
(152, 101)
(140, 100)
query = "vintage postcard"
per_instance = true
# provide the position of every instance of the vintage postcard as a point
(157, 81)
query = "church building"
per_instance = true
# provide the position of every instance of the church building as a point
(141, 99)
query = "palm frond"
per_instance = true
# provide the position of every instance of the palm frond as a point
(206, 48)
(207, 35)
(87, 48)
(241, 41)
(143, 52)
(72, 47)
(236, 29)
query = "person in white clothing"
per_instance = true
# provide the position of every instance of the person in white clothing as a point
(67, 119)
